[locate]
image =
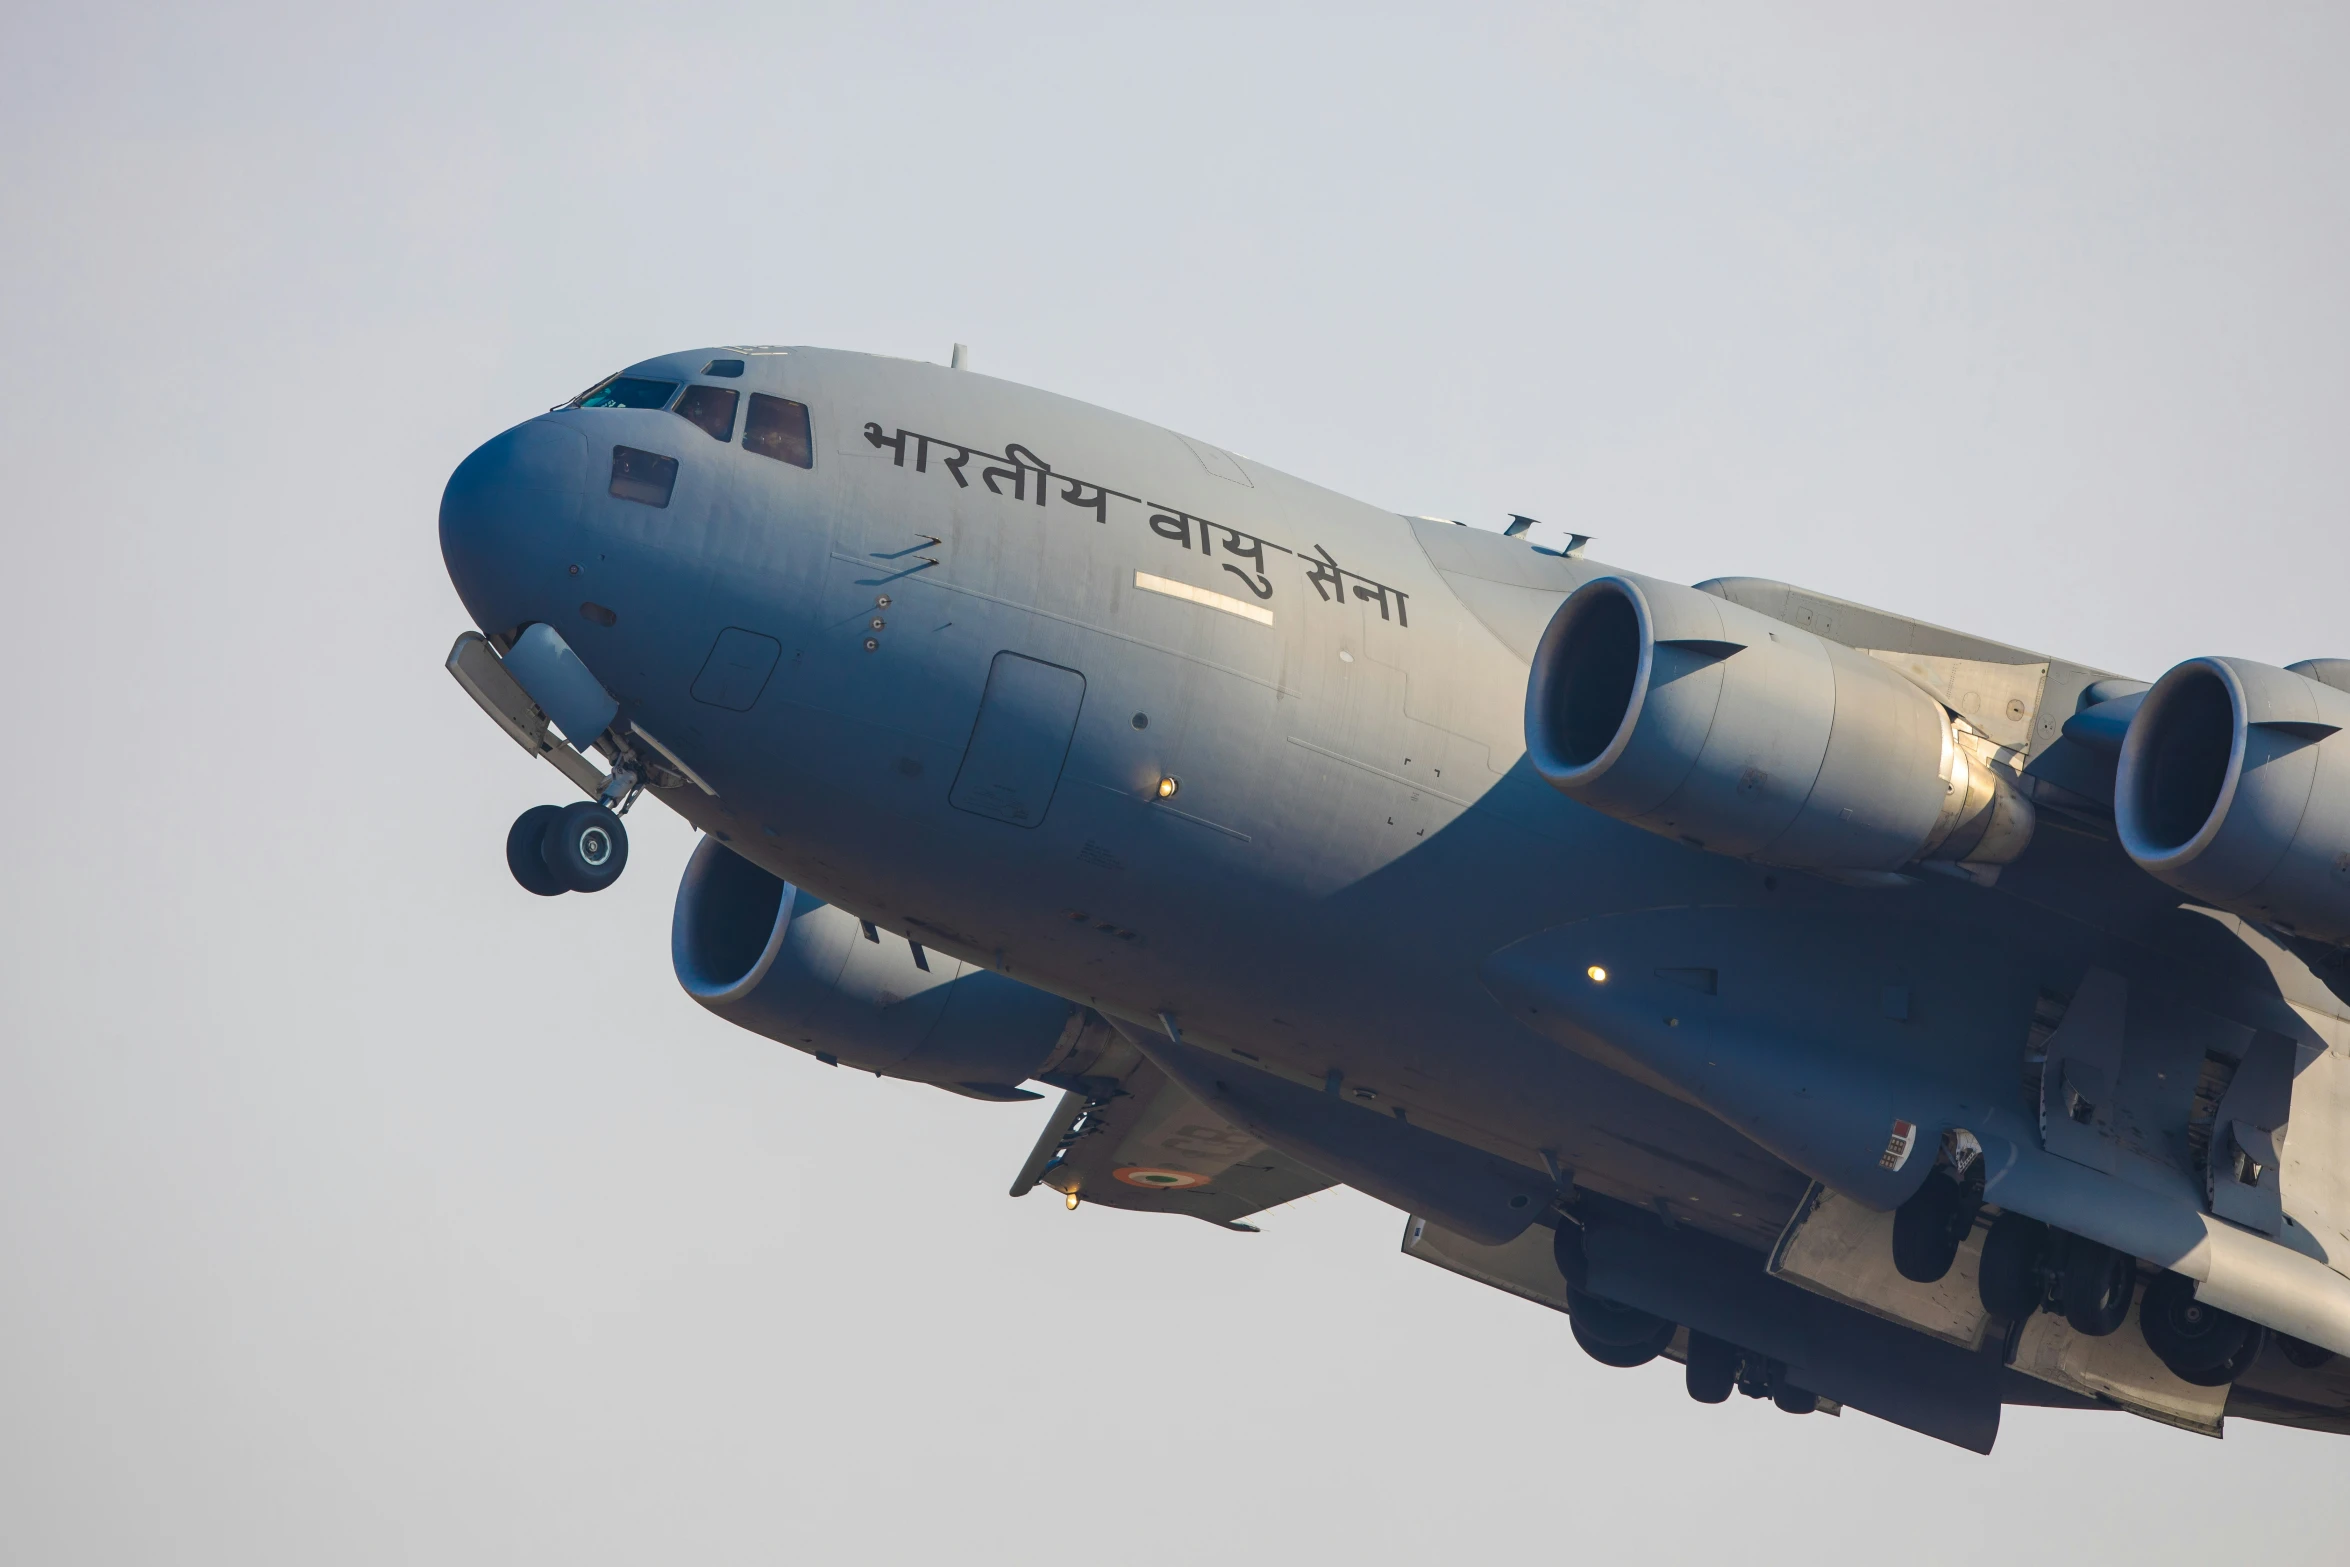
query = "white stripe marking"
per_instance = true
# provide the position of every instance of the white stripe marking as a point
(1184, 590)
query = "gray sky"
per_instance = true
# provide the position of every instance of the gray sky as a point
(356, 1207)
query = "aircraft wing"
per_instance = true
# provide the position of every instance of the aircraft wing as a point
(1138, 1141)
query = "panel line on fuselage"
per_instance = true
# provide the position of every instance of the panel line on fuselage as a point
(1164, 808)
(1086, 625)
(1380, 772)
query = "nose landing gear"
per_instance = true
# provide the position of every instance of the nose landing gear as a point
(554, 849)
(523, 858)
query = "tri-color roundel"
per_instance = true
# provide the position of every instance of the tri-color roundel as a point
(1160, 1179)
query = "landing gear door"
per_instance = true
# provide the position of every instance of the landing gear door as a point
(1835, 1247)
(2118, 1367)
(2244, 1159)
(1026, 719)
(2083, 1070)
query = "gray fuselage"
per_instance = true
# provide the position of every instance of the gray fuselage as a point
(1352, 831)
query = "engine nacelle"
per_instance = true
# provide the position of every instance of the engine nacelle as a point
(1702, 720)
(2234, 787)
(768, 957)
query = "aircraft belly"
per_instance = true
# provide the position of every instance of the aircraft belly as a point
(1358, 985)
(1285, 890)
(1271, 902)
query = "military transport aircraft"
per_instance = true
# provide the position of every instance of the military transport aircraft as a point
(1855, 1012)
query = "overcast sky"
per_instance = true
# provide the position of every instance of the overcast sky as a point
(357, 1207)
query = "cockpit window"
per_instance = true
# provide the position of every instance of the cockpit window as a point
(710, 409)
(778, 428)
(727, 367)
(626, 391)
(643, 476)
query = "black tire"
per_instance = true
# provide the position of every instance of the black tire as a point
(2241, 1361)
(1712, 1369)
(523, 854)
(1621, 1356)
(2009, 1276)
(2098, 1284)
(585, 847)
(1796, 1400)
(1566, 1249)
(2233, 1366)
(2300, 1352)
(2199, 1342)
(1615, 1334)
(1929, 1228)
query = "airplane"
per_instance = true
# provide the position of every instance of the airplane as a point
(1854, 1012)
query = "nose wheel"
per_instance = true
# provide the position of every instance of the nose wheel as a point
(554, 849)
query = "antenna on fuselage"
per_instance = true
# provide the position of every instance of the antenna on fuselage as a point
(1546, 537)
(961, 359)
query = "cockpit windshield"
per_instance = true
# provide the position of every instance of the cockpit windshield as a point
(626, 391)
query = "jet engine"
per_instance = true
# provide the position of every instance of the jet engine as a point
(2234, 788)
(769, 957)
(1702, 720)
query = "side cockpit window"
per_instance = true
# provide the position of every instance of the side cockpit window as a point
(626, 391)
(778, 428)
(648, 477)
(709, 409)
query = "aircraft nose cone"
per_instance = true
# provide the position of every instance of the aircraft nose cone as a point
(507, 516)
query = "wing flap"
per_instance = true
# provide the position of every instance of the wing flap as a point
(1137, 1141)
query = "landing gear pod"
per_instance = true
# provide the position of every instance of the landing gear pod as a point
(2234, 787)
(780, 962)
(1702, 720)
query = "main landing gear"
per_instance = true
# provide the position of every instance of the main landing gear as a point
(554, 849)
(1615, 1334)
(1929, 1229)
(2200, 1343)
(2028, 1266)
(1716, 1368)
